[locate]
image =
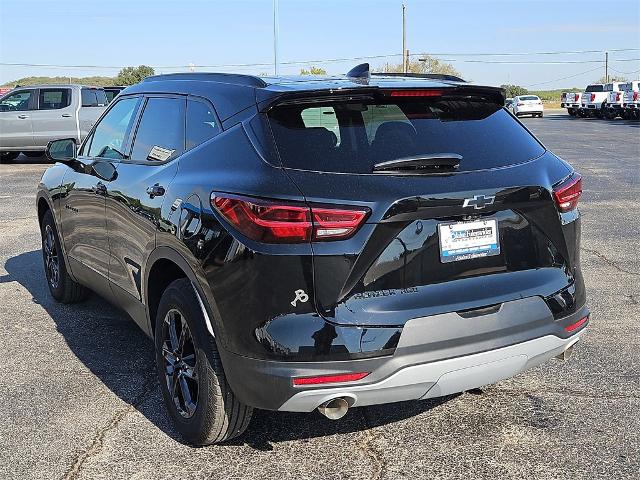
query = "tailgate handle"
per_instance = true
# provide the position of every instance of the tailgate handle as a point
(478, 312)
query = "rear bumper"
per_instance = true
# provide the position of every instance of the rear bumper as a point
(435, 356)
(436, 379)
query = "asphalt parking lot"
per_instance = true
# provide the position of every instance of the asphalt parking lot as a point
(79, 397)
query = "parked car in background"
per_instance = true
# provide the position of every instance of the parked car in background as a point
(30, 117)
(527, 105)
(595, 97)
(508, 103)
(303, 244)
(571, 101)
(111, 92)
(630, 103)
(615, 102)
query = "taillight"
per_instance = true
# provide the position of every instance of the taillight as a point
(568, 193)
(520, 104)
(345, 377)
(416, 93)
(618, 96)
(635, 96)
(577, 97)
(271, 221)
(593, 97)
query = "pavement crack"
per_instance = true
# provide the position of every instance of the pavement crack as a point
(98, 440)
(609, 261)
(379, 463)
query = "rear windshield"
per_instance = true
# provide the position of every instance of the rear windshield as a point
(595, 88)
(529, 97)
(353, 136)
(93, 97)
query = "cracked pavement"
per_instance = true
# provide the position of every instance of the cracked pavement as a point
(79, 398)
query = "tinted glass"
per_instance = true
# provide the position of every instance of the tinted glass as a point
(160, 135)
(595, 88)
(529, 97)
(324, 117)
(108, 137)
(93, 97)
(376, 131)
(201, 123)
(54, 98)
(16, 102)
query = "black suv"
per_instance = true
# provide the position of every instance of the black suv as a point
(303, 243)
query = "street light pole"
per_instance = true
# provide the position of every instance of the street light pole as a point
(275, 37)
(405, 60)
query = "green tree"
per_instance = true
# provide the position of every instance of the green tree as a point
(514, 90)
(612, 78)
(426, 64)
(131, 75)
(313, 71)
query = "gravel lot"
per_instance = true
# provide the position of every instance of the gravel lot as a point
(79, 399)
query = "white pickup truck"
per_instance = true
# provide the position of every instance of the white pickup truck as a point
(594, 99)
(630, 101)
(570, 101)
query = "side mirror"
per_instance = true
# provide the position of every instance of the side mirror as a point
(63, 150)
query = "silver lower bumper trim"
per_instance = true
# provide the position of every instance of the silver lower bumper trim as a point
(435, 379)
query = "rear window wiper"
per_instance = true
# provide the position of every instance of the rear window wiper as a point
(431, 163)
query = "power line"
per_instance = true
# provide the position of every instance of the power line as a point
(507, 62)
(568, 52)
(563, 78)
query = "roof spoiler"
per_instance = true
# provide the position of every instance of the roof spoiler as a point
(431, 76)
(362, 71)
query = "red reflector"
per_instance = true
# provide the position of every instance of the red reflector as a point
(577, 325)
(276, 222)
(568, 193)
(345, 377)
(416, 93)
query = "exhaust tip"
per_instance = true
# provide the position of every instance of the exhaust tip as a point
(334, 409)
(566, 354)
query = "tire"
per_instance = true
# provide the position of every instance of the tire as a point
(34, 154)
(62, 287)
(571, 112)
(192, 364)
(6, 157)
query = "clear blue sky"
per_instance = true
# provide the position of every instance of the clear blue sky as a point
(168, 34)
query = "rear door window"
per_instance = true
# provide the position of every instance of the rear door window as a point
(160, 136)
(54, 98)
(383, 129)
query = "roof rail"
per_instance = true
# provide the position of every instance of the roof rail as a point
(231, 78)
(432, 76)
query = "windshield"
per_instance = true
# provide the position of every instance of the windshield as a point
(353, 136)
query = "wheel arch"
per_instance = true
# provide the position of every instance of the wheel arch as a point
(165, 265)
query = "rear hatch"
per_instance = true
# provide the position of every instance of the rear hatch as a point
(459, 195)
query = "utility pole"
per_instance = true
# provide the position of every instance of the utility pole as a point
(275, 37)
(405, 59)
(606, 67)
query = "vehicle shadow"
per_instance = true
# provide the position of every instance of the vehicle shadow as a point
(118, 353)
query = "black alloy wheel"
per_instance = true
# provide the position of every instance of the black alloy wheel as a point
(179, 356)
(51, 257)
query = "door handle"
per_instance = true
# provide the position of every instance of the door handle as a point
(23, 116)
(100, 189)
(156, 190)
(66, 115)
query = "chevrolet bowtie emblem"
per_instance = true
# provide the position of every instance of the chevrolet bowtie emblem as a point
(478, 201)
